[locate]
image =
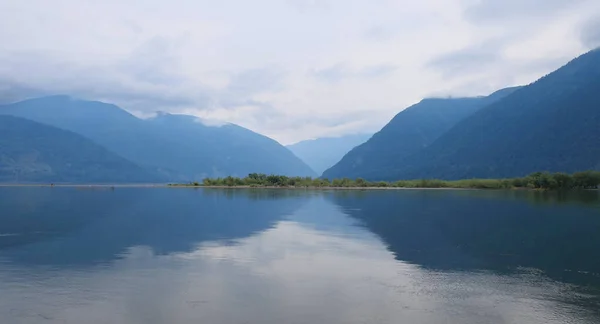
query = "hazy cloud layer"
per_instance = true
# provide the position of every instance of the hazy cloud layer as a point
(503, 10)
(590, 34)
(292, 69)
(340, 72)
(468, 60)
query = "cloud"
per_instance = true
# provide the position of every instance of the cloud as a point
(254, 81)
(145, 79)
(467, 60)
(12, 92)
(291, 69)
(512, 42)
(333, 73)
(211, 122)
(482, 69)
(154, 62)
(309, 5)
(507, 10)
(376, 71)
(379, 33)
(339, 72)
(590, 33)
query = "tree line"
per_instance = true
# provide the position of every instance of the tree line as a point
(538, 180)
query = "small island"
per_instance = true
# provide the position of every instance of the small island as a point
(540, 180)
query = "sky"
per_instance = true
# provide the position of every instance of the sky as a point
(289, 69)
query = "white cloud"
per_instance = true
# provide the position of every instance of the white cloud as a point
(590, 33)
(291, 69)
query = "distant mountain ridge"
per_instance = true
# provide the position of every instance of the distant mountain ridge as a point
(409, 131)
(176, 146)
(550, 125)
(33, 152)
(322, 153)
(232, 147)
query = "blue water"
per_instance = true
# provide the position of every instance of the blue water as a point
(182, 255)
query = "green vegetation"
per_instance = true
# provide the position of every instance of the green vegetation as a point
(538, 180)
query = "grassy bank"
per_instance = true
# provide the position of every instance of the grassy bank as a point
(538, 180)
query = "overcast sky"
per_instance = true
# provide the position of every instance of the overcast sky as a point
(290, 69)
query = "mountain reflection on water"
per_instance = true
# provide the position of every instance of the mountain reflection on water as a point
(180, 255)
(554, 232)
(74, 226)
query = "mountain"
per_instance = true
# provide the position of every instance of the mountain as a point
(550, 125)
(322, 153)
(33, 152)
(229, 149)
(178, 147)
(408, 132)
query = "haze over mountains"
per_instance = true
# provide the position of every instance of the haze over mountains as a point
(175, 147)
(228, 149)
(408, 132)
(550, 125)
(322, 153)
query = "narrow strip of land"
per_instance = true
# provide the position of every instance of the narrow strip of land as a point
(86, 185)
(539, 180)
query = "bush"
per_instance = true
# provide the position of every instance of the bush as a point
(538, 180)
(587, 180)
(360, 182)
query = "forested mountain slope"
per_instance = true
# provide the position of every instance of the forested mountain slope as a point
(408, 132)
(33, 152)
(551, 125)
(177, 147)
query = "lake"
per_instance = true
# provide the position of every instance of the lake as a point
(182, 255)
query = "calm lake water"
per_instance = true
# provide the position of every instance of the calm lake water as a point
(164, 255)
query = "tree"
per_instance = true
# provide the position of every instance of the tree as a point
(587, 179)
(563, 181)
(360, 182)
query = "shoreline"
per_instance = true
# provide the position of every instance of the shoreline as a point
(326, 188)
(313, 188)
(114, 186)
(72, 185)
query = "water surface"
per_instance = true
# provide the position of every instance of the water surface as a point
(181, 255)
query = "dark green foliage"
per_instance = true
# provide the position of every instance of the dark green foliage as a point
(33, 152)
(360, 182)
(563, 180)
(408, 132)
(586, 180)
(538, 180)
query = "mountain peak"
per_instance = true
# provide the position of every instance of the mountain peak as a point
(160, 113)
(55, 99)
(551, 125)
(163, 116)
(182, 147)
(408, 132)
